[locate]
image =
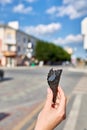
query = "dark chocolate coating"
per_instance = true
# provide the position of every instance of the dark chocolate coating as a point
(53, 81)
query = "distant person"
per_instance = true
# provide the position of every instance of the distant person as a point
(52, 114)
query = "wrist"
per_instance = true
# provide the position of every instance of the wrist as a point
(41, 128)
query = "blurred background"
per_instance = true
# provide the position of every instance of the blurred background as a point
(36, 36)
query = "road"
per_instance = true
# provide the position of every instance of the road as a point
(23, 92)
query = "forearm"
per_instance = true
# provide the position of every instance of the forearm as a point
(42, 126)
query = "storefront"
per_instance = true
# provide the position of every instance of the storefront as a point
(10, 58)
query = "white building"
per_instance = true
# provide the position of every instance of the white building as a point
(13, 45)
(84, 32)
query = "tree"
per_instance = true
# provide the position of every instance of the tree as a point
(50, 52)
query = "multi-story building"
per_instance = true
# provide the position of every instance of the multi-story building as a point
(13, 45)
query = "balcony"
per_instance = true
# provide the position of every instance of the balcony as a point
(9, 53)
(10, 41)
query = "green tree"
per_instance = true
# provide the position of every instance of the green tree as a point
(50, 52)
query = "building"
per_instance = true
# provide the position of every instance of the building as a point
(84, 32)
(14, 45)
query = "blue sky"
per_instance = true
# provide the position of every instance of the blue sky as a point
(58, 21)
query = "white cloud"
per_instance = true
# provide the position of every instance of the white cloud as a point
(30, 1)
(42, 29)
(5, 1)
(69, 39)
(71, 8)
(67, 1)
(22, 9)
(52, 10)
(68, 10)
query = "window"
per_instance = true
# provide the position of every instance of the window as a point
(24, 40)
(9, 47)
(9, 36)
(19, 48)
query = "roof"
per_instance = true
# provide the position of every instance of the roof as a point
(7, 26)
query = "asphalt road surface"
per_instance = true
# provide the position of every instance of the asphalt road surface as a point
(23, 92)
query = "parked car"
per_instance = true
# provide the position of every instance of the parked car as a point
(1, 74)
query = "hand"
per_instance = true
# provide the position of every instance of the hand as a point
(52, 114)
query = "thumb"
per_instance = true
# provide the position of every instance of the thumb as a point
(49, 98)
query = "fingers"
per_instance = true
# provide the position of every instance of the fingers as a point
(62, 104)
(49, 99)
(60, 90)
(60, 101)
(61, 94)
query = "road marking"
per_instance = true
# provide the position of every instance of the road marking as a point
(72, 118)
(28, 118)
(32, 126)
(81, 86)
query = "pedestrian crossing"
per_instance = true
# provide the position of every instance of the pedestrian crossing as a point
(73, 115)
